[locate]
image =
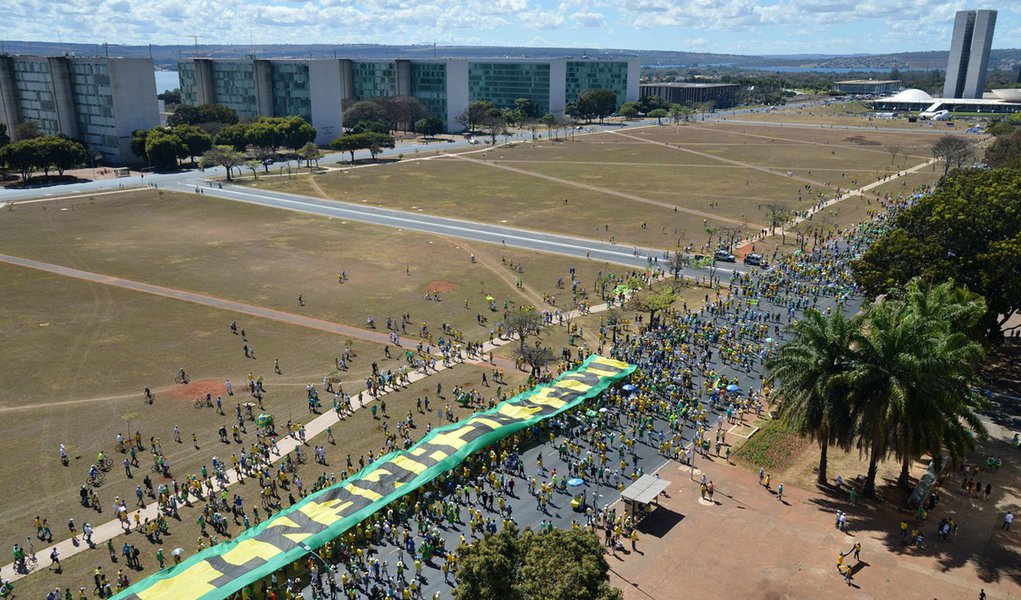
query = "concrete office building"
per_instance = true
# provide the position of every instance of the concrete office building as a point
(319, 89)
(724, 95)
(97, 101)
(867, 86)
(969, 54)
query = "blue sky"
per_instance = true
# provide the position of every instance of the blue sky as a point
(725, 26)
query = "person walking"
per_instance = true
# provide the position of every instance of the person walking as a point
(1007, 520)
(779, 492)
(55, 559)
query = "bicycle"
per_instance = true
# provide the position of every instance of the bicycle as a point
(203, 402)
(123, 446)
(150, 397)
(96, 480)
(105, 465)
(182, 377)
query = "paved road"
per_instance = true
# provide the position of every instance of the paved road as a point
(462, 228)
(194, 176)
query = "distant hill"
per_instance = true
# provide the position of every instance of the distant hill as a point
(167, 56)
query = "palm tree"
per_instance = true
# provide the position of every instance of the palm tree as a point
(914, 370)
(810, 374)
(887, 371)
(940, 414)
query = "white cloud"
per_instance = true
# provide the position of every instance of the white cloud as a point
(718, 25)
(589, 19)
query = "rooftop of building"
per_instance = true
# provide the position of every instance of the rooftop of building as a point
(686, 84)
(438, 59)
(1000, 96)
(867, 81)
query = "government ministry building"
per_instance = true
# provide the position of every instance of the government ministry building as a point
(320, 89)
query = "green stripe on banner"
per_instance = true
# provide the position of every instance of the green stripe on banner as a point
(228, 567)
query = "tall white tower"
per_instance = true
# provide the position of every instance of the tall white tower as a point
(969, 54)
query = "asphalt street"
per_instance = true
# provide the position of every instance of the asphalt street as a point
(471, 230)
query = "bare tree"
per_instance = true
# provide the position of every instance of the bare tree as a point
(524, 322)
(614, 319)
(494, 125)
(894, 151)
(953, 152)
(730, 235)
(680, 261)
(779, 215)
(536, 357)
(711, 230)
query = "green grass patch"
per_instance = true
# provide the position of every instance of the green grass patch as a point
(773, 448)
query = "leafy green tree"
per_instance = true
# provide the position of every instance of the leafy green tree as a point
(295, 132)
(429, 126)
(378, 141)
(967, 230)
(259, 133)
(811, 374)
(138, 137)
(559, 565)
(5, 138)
(564, 564)
(597, 103)
(679, 112)
(629, 110)
(224, 156)
(62, 153)
(235, 136)
(185, 114)
(373, 142)
(646, 104)
(310, 153)
(23, 156)
(653, 300)
(170, 96)
(350, 143)
(163, 147)
(659, 114)
(526, 107)
(472, 117)
(366, 111)
(196, 140)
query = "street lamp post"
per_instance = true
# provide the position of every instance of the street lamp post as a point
(309, 549)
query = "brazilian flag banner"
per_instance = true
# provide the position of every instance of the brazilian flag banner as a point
(222, 570)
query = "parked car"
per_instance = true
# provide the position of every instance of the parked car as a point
(724, 256)
(755, 260)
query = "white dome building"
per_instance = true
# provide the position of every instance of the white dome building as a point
(911, 95)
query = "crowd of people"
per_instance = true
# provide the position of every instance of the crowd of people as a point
(699, 369)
